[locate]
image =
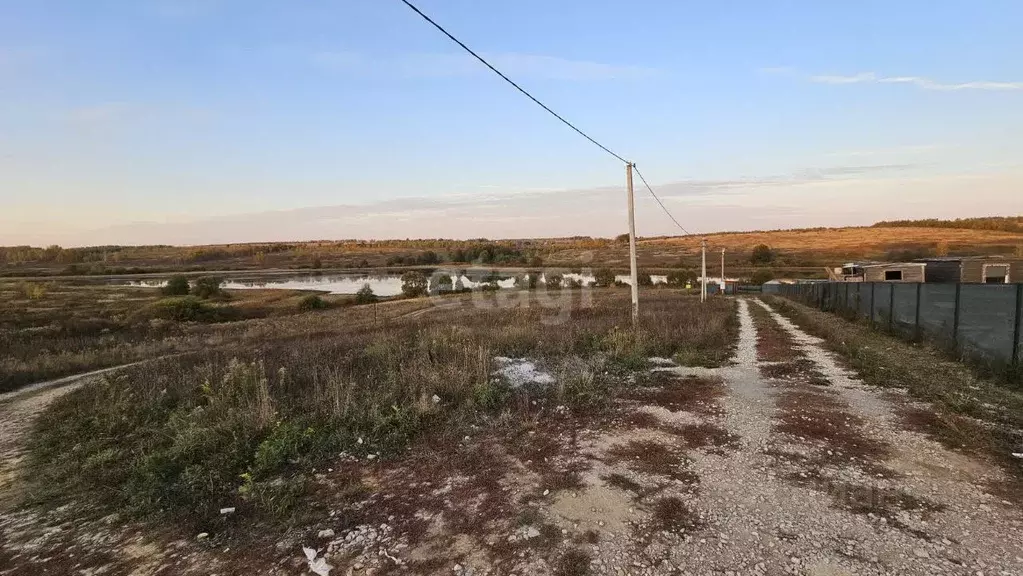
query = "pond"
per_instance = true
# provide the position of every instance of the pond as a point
(349, 283)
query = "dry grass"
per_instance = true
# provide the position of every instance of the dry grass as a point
(691, 393)
(575, 562)
(823, 419)
(799, 253)
(246, 423)
(671, 514)
(75, 328)
(623, 482)
(654, 459)
(773, 343)
(704, 435)
(864, 240)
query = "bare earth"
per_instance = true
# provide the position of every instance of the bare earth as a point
(704, 471)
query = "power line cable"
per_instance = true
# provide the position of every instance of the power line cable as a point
(545, 107)
(510, 81)
(663, 207)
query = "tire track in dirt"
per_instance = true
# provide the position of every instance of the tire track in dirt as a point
(926, 506)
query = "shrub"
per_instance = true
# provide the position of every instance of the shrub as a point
(622, 238)
(191, 309)
(679, 278)
(414, 284)
(311, 302)
(553, 280)
(176, 286)
(443, 283)
(207, 287)
(365, 295)
(762, 275)
(762, 254)
(532, 280)
(603, 277)
(31, 290)
(644, 279)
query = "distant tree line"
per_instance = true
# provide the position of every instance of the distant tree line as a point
(482, 253)
(998, 223)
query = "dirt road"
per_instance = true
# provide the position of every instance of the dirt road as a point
(781, 462)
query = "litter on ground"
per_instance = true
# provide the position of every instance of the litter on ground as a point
(521, 371)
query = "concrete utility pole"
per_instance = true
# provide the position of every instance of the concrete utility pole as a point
(723, 283)
(632, 247)
(703, 273)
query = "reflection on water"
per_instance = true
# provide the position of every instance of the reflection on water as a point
(381, 284)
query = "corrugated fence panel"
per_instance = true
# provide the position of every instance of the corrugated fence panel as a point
(937, 310)
(855, 296)
(905, 307)
(986, 320)
(882, 302)
(865, 303)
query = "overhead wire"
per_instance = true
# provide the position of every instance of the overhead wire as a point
(663, 207)
(512, 82)
(545, 107)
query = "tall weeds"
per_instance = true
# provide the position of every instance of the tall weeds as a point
(245, 426)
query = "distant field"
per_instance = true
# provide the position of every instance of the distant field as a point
(800, 249)
(858, 240)
(804, 252)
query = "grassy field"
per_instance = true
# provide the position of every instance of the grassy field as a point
(246, 423)
(52, 329)
(799, 252)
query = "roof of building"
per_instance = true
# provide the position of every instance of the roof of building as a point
(890, 264)
(961, 258)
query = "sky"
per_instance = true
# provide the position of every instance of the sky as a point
(202, 121)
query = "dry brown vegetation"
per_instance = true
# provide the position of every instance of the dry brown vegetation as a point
(692, 394)
(802, 252)
(655, 459)
(243, 422)
(797, 252)
(52, 329)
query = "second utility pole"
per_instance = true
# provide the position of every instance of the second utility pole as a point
(724, 284)
(703, 272)
(632, 247)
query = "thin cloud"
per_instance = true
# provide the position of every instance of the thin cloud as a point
(918, 81)
(893, 151)
(874, 78)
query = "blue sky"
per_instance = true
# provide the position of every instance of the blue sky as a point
(121, 118)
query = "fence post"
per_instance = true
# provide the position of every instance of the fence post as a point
(1018, 328)
(919, 289)
(872, 285)
(891, 307)
(955, 317)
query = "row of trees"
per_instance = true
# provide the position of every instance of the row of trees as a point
(999, 223)
(493, 254)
